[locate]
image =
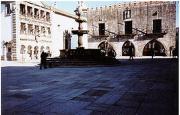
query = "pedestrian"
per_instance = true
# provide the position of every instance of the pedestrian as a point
(43, 60)
(174, 52)
(131, 52)
(152, 52)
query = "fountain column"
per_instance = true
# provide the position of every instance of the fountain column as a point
(80, 35)
(79, 11)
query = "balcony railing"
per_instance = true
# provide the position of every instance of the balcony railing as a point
(152, 34)
(97, 38)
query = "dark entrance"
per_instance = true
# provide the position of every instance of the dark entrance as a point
(128, 27)
(101, 28)
(125, 48)
(107, 49)
(157, 26)
(159, 49)
(67, 39)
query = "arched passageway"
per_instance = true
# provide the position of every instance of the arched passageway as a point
(30, 51)
(36, 52)
(156, 46)
(126, 47)
(107, 49)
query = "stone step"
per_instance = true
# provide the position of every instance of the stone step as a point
(54, 62)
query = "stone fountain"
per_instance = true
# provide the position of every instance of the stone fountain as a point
(81, 56)
(79, 11)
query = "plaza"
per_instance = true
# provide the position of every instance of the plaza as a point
(87, 70)
(138, 87)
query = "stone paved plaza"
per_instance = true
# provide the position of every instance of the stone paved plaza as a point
(139, 87)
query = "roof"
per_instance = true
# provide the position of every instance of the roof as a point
(55, 10)
(61, 12)
(64, 13)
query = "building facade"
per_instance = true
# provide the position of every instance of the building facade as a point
(144, 25)
(63, 24)
(28, 28)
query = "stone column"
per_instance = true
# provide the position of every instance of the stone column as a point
(25, 10)
(45, 15)
(39, 13)
(80, 36)
(33, 12)
(26, 28)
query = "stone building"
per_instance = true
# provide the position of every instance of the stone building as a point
(144, 25)
(29, 27)
(30, 30)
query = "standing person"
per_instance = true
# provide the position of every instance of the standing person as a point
(174, 52)
(43, 60)
(130, 52)
(152, 52)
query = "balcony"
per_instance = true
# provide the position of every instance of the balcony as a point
(125, 36)
(157, 34)
(153, 34)
(97, 38)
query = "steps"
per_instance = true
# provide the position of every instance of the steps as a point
(81, 57)
(55, 62)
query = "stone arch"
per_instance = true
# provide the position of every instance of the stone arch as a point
(107, 49)
(36, 51)
(125, 48)
(42, 49)
(48, 51)
(29, 51)
(158, 47)
(22, 51)
(47, 48)
(9, 47)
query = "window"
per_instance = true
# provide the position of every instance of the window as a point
(42, 14)
(30, 29)
(9, 49)
(128, 27)
(36, 13)
(36, 52)
(23, 28)
(126, 14)
(29, 51)
(29, 9)
(22, 51)
(101, 28)
(47, 16)
(42, 49)
(37, 29)
(8, 9)
(43, 30)
(49, 30)
(157, 26)
(22, 9)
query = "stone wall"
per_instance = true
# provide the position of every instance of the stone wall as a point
(142, 16)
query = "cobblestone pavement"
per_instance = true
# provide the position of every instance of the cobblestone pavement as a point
(139, 87)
